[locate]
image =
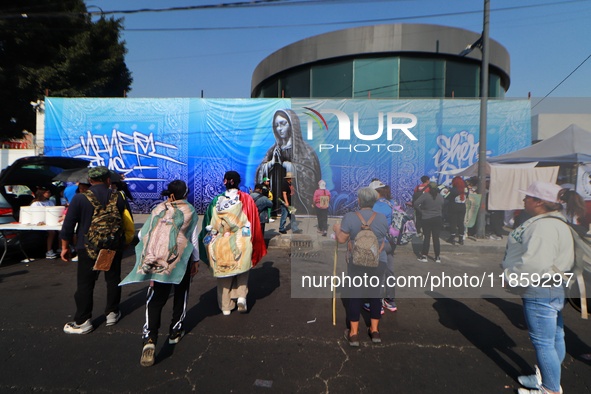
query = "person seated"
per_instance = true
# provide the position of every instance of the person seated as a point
(43, 199)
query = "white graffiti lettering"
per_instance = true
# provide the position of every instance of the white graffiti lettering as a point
(458, 151)
(123, 152)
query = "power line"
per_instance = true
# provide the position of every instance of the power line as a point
(567, 77)
(403, 18)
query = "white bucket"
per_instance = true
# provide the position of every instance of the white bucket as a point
(25, 215)
(53, 214)
(37, 215)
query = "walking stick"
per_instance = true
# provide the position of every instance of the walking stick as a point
(334, 290)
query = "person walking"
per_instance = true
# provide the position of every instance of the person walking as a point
(418, 191)
(456, 209)
(541, 247)
(287, 208)
(167, 256)
(232, 243)
(386, 206)
(321, 203)
(78, 222)
(346, 232)
(431, 207)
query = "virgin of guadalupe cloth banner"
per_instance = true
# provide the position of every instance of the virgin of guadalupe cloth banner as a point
(344, 142)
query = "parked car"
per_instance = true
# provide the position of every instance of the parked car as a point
(19, 181)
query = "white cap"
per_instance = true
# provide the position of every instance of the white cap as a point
(376, 185)
(543, 190)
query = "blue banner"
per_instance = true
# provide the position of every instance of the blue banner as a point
(346, 143)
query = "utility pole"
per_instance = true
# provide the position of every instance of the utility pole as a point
(480, 229)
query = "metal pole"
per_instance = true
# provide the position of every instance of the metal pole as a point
(480, 230)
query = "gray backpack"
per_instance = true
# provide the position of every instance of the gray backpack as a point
(577, 292)
(365, 249)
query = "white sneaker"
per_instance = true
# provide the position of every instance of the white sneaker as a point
(113, 318)
(531, 381)
(75, 258)
(541, 390)
(50, 254)
(226, 313)
(242, 305)
(422, 259)
(271, 220)
(73, 328)
(438, 259)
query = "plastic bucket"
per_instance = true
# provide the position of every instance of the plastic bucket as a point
(25, 215)
(37, 215)
(53, 214)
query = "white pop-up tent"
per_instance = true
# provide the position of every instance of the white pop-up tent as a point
(571, 146)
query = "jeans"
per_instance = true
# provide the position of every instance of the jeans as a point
(292, 219)
(542, 307)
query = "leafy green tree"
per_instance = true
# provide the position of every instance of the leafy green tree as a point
(53, 48)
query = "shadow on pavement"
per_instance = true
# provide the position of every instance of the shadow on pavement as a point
(513, 311)
(455, 315)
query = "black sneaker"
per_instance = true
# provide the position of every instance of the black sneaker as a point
(148, 352)
(176, 336)
(375, 336)
(352, 339)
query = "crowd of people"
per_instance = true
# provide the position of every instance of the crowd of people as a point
(230, 241)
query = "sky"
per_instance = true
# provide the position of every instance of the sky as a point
(546, 39)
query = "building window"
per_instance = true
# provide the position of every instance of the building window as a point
(270, 88)
(375, 78)
(461, 79)
(333, 80)
(296, 84)
(494, 86)
(421, 78)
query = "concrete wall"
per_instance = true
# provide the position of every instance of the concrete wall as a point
(547, 125)
(8, 156)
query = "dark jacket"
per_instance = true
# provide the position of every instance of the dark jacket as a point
(81, 210)
(455, 203)
(262, 203)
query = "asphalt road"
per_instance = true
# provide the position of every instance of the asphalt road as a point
(283, 344)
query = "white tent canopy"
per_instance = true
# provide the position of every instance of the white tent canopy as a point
(571, 145)
(473, 169)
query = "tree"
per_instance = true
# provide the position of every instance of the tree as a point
(54, 46)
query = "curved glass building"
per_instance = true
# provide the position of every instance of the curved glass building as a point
(382, 61)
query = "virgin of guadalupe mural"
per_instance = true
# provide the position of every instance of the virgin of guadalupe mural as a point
(291, 153)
